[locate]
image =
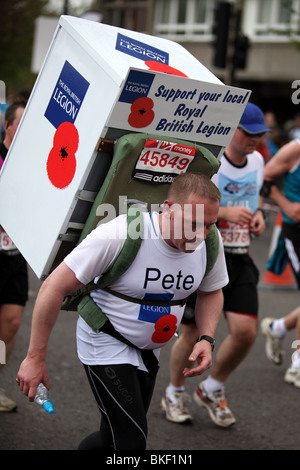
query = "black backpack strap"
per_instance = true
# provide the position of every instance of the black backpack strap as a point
(98, 321)
(157, 303)
(148, 356)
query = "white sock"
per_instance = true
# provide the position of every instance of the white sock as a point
(278, 328)
(296, 360)
(212, 385)
(171, 390)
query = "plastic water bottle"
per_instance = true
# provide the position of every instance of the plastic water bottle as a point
(42, 398)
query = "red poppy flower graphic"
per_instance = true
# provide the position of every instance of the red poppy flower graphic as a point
(142, 113)
(61, 163)
(158, 67)
(165, 327)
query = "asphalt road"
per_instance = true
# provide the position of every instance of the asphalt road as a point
(266, 410)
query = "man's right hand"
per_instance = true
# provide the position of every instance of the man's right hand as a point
(30, 375)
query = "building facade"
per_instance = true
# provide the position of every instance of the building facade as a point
(272, 27)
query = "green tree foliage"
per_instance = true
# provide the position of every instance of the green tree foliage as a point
(16, 41)
(292, 29)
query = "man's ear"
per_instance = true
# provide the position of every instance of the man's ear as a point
(167, 206)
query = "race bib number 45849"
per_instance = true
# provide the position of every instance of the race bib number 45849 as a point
(160, 161)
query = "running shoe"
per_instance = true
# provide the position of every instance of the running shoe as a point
(216, 405)
(292, 376)
(175, 407)
(6, 404)
(273, 346)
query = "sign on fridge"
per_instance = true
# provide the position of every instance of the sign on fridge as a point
(179, 107)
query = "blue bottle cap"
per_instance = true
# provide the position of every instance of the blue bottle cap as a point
(48, 407)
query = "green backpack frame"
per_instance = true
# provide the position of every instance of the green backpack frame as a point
(126, 152)
(87, 308)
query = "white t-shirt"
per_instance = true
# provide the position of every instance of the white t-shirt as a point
(158, 272)
(239, 186)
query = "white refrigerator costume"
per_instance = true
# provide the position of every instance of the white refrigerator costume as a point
(158, 272)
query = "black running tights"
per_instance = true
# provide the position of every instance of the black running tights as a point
(123, 395)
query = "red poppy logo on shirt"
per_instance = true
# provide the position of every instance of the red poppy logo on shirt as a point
(61, 163)
(165, 327)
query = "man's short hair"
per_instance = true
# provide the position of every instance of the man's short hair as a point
(193, 183)
(10, 113)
